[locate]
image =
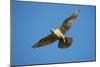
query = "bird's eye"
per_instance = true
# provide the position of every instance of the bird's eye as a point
(51, 30)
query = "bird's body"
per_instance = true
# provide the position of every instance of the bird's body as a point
(58, 34)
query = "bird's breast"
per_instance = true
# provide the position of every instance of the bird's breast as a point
(58, 33)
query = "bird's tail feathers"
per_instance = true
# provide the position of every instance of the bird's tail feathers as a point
(67, 43)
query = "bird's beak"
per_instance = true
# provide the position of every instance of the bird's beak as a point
(52, 30)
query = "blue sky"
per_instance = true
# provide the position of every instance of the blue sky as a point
(32, 21)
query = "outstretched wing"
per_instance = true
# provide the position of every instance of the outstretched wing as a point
(46, 40)
(68, 22)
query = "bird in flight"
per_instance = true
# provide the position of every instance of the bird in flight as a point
(58, 34)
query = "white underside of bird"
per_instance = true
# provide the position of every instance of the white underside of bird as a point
(57, 33)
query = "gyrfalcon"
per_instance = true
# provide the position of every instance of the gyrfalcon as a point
(58, 33)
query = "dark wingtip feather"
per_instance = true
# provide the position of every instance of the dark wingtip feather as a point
(76, 12)
(35, 46)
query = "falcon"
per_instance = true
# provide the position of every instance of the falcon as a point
(58, 33)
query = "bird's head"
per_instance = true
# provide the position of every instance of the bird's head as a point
(52, 30)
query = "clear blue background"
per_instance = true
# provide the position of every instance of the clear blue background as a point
(32, 21)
